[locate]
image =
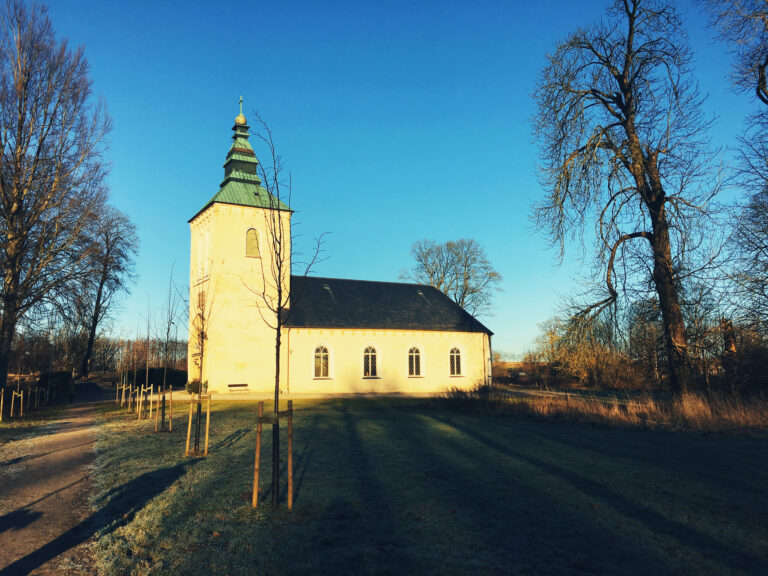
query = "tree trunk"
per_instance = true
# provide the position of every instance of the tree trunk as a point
(6, 336)
(729, 358)
(94, 322)
(671, 312)
(276, 425)
(7, 332)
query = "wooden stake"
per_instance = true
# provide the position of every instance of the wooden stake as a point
(13, 401)
(290, 454)
(170, 418)
(157, 413)
(189, 428)
(2, 397)
(207, 424)
(255, 498)
(151, 393)
(21, 405)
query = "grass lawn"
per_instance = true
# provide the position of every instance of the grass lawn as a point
(396, 486)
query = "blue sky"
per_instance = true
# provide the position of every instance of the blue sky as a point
(399, 121)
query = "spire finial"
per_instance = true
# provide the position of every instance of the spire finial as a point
(240, 118)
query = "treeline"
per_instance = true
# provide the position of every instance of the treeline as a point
(630, 352)
(34, 355)
(67, 254)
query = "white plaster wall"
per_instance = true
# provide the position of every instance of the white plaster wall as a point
(346, 348)
(240, 346)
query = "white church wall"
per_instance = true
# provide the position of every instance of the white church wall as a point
(239, 348)
(346, 349)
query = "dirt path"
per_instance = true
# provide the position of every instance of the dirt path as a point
(44, 491)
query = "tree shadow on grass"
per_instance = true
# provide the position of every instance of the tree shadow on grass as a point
(117, 508)
(359, 536)
(686, 534)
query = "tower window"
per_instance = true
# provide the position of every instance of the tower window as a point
(414, 362)
(252, 244)
(369, 362)
(321, 362)
(455, 362)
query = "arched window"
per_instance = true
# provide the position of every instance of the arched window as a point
(252, 244)
(321, 362)
(414, 362)
(369, 362)
(455, 362)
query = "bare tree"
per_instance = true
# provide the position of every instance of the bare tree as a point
(623, 146)
(50, 163)
(750, 261)
(743, 24)
(645, 336)
(202, 316)
(272, 288)
(458, 268)
(168, 324)
(109, 269)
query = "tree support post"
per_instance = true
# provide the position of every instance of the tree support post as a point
(207, 424)
(189, 429)
(255, 497)
(290, 454)
(198, 423)
(157, 410)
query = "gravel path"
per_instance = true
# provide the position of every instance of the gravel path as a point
(44, 492)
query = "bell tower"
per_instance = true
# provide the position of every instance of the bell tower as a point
(231, 335)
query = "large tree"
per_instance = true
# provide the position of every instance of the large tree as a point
(743, 24)
(623, 146)
(51, 173)
(109, 266)
(458, 268)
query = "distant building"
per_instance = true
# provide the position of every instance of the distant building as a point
(341, 336)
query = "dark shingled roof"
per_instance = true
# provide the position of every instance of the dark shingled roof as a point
(336, 303)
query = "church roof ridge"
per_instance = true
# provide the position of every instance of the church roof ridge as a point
(369, 281)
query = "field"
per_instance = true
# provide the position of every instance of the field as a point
(402, 486)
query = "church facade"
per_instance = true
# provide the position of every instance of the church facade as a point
(339, 336)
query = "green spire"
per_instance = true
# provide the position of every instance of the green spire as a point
(241, 163)
(241, 184)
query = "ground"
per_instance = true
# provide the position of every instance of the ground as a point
(45, 516)
(389, 486)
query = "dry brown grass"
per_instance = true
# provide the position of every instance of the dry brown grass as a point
(689, 411)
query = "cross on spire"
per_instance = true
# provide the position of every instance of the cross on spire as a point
(240, 120)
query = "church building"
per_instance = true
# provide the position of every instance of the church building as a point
(339, 336)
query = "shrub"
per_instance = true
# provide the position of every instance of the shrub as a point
(59, 382)
(175, 378)
(193, 386)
